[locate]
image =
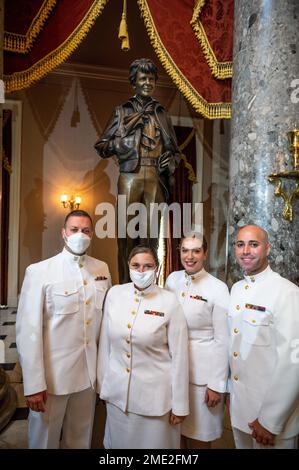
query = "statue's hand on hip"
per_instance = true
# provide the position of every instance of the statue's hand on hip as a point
(164, 160)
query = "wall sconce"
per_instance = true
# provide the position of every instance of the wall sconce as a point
(292, 175)
(70, 203)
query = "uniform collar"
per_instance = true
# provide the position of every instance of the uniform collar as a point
(142, 293)
(258, 277)
(195, 277)
(71, 257)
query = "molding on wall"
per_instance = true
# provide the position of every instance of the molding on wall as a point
(14, 202)
(96, 72)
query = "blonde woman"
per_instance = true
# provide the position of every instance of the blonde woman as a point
(205, 302)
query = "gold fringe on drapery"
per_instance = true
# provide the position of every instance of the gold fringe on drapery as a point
(20, 80)
(208, 110)
(22, 43)
(220, 70)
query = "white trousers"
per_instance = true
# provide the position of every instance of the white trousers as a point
(245, 441)
(70, 415)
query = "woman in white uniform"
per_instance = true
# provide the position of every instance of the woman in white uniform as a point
(142, 373)
(205, 301)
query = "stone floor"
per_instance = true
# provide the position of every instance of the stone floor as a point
(14, 435)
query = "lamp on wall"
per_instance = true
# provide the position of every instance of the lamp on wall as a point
(70, 202)
(293, 175)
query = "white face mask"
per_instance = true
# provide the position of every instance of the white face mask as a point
(144, 279)
(78, 242)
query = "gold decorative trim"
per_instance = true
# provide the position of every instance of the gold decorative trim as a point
(191, 173)
(20, 80)
(208, 110)
(5, 162)
(162, 268)
(187, 140)
(23, 43)
(220, 70)
(197, 8)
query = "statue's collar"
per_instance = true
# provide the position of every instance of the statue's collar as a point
(137, 100)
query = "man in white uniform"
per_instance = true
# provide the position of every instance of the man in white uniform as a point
(58, 326)
(264, 329)
(205, 300)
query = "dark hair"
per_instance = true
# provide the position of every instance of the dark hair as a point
(142, 65)
(144, 249)
(199, 237)
(77, 213)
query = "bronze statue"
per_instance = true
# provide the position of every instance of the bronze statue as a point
(142, 137)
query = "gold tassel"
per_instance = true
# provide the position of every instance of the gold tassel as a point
(123, 30)
(125, 44)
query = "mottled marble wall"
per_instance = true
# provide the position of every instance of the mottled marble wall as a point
(219, 190)
(266, 63)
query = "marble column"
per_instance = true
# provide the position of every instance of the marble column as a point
(266, 67)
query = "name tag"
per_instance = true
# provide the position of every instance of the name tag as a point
(153, 312)
(198, 297)
(255, 307)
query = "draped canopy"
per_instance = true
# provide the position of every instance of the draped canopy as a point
(192, 38)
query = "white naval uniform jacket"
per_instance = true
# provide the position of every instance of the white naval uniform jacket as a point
(143, 352)
(58, 323)
(205, 300)
(264, 329)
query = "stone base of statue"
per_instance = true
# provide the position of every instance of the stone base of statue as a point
(8, 400)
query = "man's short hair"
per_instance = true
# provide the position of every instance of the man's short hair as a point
(199, 236)
(77, 213)
(142, 65)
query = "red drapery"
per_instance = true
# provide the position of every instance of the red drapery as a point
(22, 29)
(182, 193)
(192, 38)
(55, 30)
(213, 23)
(184, 56)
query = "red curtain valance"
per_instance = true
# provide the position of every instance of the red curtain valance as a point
(22, 29)
(192, 38)
(60, 26)
(184, 56)
(213, 24)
